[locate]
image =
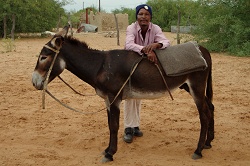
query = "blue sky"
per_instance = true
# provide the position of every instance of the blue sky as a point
(107, 5)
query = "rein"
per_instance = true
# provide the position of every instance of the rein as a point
(72, 88)
(65, 105)
(46, 84)
(48, 74)
(131, 73)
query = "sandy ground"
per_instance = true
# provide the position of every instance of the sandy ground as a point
(30, 135)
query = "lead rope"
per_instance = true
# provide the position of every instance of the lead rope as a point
(47, 78)
(48, 74)
(46, 84)
(73, 88)
(50, 69)
(65, 105)
(131, 73)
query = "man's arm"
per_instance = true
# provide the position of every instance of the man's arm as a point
(160, 42)
(161, 38)
(130, 40)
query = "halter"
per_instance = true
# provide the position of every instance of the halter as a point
(52, 49)
(46, 84)
(47, 79)
(48, 74)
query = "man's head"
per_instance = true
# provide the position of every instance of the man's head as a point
(143, 6)
(143, 15)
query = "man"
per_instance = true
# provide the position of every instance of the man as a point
(142, 37)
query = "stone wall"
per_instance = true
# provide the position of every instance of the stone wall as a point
(106, 21)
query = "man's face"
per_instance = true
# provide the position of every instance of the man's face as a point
(143, 17)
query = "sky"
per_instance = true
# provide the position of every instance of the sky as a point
(107, 5)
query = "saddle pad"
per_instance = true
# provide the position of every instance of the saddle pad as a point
(181, 59)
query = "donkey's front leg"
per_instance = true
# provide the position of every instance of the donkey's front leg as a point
(113, 121)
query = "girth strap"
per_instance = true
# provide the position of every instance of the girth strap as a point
(165, 82)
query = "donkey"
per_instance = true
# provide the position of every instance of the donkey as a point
(108, 73)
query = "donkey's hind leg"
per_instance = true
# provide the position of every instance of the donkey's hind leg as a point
(210, 132)
(197, 91)
(204, 121)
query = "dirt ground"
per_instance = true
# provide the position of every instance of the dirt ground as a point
(30, 135)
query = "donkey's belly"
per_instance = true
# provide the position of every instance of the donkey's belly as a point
(134, 94)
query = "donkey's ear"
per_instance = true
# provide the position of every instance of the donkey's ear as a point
(64, 31)
(57, 42)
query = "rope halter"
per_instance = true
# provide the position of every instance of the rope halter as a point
(48, 73)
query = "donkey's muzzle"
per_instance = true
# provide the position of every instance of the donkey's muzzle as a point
(37, 80)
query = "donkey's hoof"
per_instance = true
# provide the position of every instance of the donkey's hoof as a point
(207, 146)
(105, 160)
(103, 153)
(196, 156)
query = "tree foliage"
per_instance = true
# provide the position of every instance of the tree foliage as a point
(224, 25)
(32, 15)
(165, 12)
(221, 25)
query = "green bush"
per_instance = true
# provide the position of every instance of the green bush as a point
(224, 26)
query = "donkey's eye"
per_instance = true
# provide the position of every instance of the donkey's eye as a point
(43, 57)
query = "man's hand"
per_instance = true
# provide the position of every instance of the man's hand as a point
(149, 51)
(152, 57)
(149, 48)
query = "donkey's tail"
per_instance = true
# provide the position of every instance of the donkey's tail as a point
(209, 90)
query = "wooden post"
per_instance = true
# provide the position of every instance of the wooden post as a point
(69, 21)
(5, 27)
(13, 27)
(87, 18)
(117, 30)
(99, 5)
(58, 23)
(178, 27)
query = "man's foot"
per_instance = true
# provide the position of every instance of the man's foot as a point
(128, 135)
(138, 132)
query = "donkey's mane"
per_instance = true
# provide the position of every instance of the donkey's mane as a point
(77, 42)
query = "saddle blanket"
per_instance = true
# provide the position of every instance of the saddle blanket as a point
(181, 59)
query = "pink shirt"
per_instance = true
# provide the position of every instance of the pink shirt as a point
(134, 39)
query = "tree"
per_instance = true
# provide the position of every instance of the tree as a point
(165, 12)
(4, 8)
(13, 27)
(32, 15)
(223, 25)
